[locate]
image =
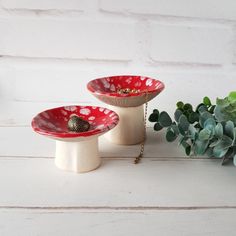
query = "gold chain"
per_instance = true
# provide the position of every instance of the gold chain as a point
(128, 91)
(140, 156)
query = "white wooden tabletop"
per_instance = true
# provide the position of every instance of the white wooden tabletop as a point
(166, 194)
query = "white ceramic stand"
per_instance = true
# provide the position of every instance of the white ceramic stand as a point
(80, 156)
(130, 129)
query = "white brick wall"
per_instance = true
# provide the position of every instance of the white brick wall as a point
(50, 49)
(63, 38)
(212, 9)
(44, 4)
(189, 44)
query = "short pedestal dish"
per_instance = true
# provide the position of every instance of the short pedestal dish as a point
(75, 151)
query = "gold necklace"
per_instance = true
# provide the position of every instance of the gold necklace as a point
(128, 91)
(140, 156)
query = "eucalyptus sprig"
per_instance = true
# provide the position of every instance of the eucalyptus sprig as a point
(206, 130)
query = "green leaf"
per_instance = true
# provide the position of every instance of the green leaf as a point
(229, 154)
(224, 143)
(234, 159)
(197, 126)
(165, 119)
(234, 141)
(231, 108)
(222, 102)
(204, 134)
(174, 128)
(217, 152)
(181, 131)
(219, 130)
(214, 143)
(207, 101)
(209, 152)
(157, 127)
(200, 146)
(199, 105)
(170, 135)
(180, 105)
(210, 122)
(232, 96)
(218, 114)
(182, 139)
(183, 123)
(229, 129)
(202, 108)
(193, 117)
(192, 132)
(212, 108)
(154, 116)
(187, 107)
(204, 116)
(177, 114)
(188, 150)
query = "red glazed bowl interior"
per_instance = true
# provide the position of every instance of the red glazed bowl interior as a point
(53, 122)
(106, 89)
(110, 85)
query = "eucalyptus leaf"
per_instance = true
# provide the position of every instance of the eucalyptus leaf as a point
(229, 154)
(234, 141)
(183, 123)
(188, 150)
(204, 116)
(164, 119)
(220, 116)
(192, 132)
(224, 143)
(222, 102)
(200, 146)
(187, 107)
(180, 105)
(207, 101)
(174, 128)
(181, 130)
(193, 117)
(181, 140)
(234, 159)
(212, 108)
(218, 152)
(232, 97)
(157, 127)
(154, 117)
(209, 152)
(201, 104)
(219, 130)
(170, 136)
(197, 126)
(215, 143)
(204, 134)
(210, 123)
(177, 114)
(202, 108)
(229, 129)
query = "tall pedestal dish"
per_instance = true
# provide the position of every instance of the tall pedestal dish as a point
(126, 95)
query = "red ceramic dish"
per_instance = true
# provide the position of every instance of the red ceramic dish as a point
(106, 89)
(110, 85)
(53, 122)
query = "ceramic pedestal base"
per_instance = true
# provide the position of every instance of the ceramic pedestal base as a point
(79, 156)
(130, 129)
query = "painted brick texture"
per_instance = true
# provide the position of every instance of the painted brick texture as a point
(50, 49)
